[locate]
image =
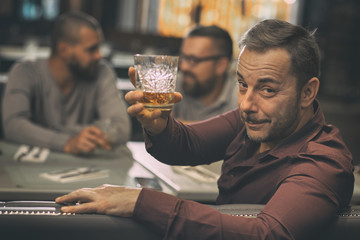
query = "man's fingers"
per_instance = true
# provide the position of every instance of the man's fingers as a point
(103, 144)
(134, 96)
(85, 196)
(85, 199)
(177, 97)
(94, 130)
(89, 207)
(87, 143)
(93, 136)
(97, 140)
(92, 139)
(135, 109)
(148, 116)
(132, 77)
(78, 195)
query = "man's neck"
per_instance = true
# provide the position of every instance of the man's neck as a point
(61, 75)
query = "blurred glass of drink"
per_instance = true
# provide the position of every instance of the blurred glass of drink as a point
(111, 128)
(156, 78)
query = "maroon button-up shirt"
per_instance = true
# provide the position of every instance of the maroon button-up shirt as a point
(303, 181)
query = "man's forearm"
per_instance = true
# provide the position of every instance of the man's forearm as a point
(25, 132)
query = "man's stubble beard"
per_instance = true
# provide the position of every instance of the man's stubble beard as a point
(283, 127)
(198, 90)
(88, 73)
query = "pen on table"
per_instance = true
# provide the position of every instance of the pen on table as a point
(79, 173)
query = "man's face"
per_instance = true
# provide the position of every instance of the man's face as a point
(84, 60)
(268, 99)
(199, 77)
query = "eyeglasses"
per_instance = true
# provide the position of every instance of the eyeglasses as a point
(195, 60)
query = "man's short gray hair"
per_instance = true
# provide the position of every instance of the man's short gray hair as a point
(296, 40)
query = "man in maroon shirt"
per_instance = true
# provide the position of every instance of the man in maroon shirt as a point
(277, 150)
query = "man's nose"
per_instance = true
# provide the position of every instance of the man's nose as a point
(184, 65)
(247, 102)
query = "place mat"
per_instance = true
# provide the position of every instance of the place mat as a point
(28, 176)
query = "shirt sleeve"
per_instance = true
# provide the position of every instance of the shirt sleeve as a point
(16, 113)
(300, 209)
(199, 143)
(111, 104)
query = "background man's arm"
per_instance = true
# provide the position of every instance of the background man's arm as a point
(111, 104)
(16, 114)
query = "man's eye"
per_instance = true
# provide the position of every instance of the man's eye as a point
(268, 91)
(242, 86)
(93, 49)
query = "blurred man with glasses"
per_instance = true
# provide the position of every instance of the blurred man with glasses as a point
(205, 79)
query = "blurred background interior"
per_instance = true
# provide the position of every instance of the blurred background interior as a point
(157, 26)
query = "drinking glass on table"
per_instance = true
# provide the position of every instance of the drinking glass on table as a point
(156, 78)
(111, 127)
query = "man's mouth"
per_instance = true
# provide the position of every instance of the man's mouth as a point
(188, 76)
(255, 124)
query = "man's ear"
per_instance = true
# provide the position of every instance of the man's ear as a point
(309, 92)
(222, 65)
(63, 49)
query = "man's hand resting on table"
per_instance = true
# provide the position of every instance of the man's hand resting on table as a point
(86, 141)
(106, 199)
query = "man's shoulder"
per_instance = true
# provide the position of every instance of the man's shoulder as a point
(28, 64)
(31, 70)
(329, 144)
(323, 154)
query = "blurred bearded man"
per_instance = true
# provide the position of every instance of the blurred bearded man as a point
(54, 102)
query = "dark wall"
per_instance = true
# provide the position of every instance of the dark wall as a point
(338, 24)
